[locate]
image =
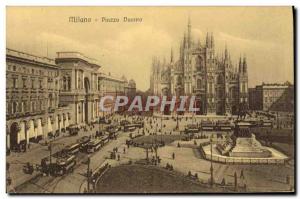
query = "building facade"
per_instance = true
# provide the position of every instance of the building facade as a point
(272, 97)
(45, 96)
(114, 86)
(33, 109)
(219, 86)
(79, 86)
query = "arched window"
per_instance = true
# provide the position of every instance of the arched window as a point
(64, 83)
(220, 79)
(210, 88)
(14, 107)
(69, 83)
(50, 100)
(198, 63)
(199, 83)
(178, 80)
(243, 87)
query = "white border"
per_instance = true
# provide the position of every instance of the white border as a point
(4, 3)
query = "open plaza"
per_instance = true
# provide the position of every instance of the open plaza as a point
(157, 149)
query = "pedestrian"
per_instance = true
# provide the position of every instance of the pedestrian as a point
(242, 174)
(173, 155)
(118, 157)
(124, 150)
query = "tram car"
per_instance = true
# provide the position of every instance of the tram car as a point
(207, 126)
(139, 124)
(191, 128)
(105, 139)
(223, 125)
(83, 141)
(61, 163)
(129, 127)
(72, 149)
(94, 145)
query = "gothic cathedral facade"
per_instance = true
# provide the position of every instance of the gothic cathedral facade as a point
(219, 86)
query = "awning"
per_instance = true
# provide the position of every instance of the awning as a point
(31, 132)
(61, 125)
(56, 123)
(67, 122)
(49, 126)
(39, 127)
(21, 134)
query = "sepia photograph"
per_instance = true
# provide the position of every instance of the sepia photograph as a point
(150, 100)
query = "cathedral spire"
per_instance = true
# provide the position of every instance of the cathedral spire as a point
(189, 39)
(208, 42)
(240, 65)
(226, 52)
(212, 41)
(199, 44)
(244, 65)
(184, 40)
(171, 58)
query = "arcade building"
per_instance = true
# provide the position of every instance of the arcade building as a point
(45, 96)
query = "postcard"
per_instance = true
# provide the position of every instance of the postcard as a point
(147, 100)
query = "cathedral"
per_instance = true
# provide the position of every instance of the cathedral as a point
(220, 86)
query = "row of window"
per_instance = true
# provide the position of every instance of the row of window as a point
(273, 93)
(271, 99)
(33, 71)
(32, 83)
(66, 83)
(29, 106)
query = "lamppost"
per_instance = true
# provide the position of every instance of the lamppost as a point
(211, 165)
(177, 123)
(88, 174)
(50, 152)
(161, 126)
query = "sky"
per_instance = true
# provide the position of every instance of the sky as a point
(263, 34)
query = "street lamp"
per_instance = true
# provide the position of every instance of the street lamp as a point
(177, 123)
(88, 174)
(161, 129)
(211, 165)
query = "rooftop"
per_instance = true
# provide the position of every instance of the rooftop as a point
(76, 55)
(23, 55)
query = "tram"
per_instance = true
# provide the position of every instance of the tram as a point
(59, 164)
(129, 127)
(191, 128)
(139, 124)
(72, 149)
(94, 145)
(83, 141)
(105, 139)
(207, 126)
(223, 125)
